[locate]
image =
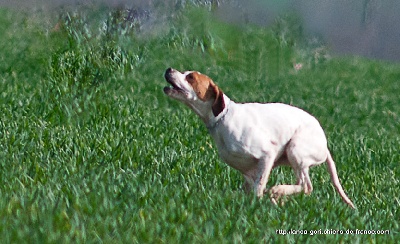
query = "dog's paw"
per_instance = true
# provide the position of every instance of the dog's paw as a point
(278, 191)
(275, 193)
(284, 190)
(278, 200)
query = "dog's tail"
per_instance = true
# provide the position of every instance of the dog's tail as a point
(335, 180)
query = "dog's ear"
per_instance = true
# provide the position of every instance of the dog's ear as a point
(219, 103)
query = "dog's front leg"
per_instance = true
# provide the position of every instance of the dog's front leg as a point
(248, 184)
(264, 168)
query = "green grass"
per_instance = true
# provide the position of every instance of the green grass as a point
(91, 150)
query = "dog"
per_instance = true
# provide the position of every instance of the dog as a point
(254, 138)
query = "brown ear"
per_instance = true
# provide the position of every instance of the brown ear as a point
(219, 104)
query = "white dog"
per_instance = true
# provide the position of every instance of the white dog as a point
(254, 138)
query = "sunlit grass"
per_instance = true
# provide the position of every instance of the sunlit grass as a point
(91, 150)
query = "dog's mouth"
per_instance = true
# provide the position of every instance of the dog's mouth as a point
(174, 87)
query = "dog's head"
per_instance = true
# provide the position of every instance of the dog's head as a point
(196, 90)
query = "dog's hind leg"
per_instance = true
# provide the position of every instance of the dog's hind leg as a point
(302, 153)
(303, 184)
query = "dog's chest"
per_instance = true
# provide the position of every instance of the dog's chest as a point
(238, 148)
(235, 157)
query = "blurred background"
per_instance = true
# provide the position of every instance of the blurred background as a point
(368, 28)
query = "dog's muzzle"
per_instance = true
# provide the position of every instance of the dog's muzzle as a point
(170, 79)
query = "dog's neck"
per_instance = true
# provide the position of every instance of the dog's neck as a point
(212, 121)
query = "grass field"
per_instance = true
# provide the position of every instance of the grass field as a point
(91, 150)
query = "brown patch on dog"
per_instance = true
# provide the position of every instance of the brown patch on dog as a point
(206, 90)
(202, 85)
(219, 104)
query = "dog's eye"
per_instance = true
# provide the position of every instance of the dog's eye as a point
(190, 77)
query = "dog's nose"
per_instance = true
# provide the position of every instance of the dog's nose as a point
(167, 73)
